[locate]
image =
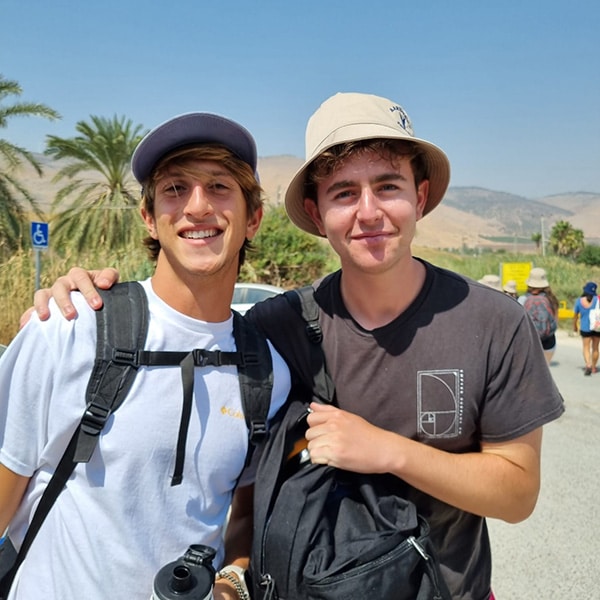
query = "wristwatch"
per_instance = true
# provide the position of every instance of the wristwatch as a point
(235, 575)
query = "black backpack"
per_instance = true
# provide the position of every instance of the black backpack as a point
(122, 326)
(321, 533)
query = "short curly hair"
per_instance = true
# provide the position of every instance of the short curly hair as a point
(388, 149)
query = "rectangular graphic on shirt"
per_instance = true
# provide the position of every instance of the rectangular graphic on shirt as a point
(439, 403)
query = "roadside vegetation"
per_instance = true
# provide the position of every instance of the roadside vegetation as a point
(94, 222)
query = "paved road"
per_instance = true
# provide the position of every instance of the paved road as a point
(555, 554)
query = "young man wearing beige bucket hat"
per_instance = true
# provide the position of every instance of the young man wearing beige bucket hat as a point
(440, 381)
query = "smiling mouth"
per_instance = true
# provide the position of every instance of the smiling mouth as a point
(199, 235)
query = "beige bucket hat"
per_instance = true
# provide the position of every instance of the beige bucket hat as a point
(492, 281)
(537, 278)
(348, 117)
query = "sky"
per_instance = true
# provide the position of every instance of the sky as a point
(510, 89)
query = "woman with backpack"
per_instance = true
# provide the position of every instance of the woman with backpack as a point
(589, 337)
(542, 307)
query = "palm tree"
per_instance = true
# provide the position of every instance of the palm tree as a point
(565, 240)
(536, 238)
(101, 198)
(14, 197)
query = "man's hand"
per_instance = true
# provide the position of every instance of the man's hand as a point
(77, 279)
(344, 440)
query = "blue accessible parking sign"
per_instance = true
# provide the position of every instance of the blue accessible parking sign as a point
(39, 235)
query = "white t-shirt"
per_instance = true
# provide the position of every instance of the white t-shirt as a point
(119, 519)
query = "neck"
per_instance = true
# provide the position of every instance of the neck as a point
(376, 299)
(206, 297)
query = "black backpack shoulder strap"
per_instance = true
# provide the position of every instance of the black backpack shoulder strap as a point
(303, 302)
(122, 325)
(255, 374)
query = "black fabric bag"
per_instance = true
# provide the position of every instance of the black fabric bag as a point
(321, 533)
(8, 556)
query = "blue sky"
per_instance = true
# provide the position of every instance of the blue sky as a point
(510, 90)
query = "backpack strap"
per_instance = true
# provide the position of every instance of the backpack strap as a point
(255, 374)
(121, 326)
(303, 302)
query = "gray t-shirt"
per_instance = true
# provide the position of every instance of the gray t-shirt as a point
(463, 364)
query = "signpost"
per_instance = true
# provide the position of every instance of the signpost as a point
(518, 272)
(40, 237)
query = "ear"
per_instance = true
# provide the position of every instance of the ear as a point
(150, 223)
(310, 206)
(254, 223)
(422, 195)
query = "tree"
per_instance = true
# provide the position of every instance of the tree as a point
(565, 240)
(590, 256)
(536, 238)
(99, 203)
(285, 256)
(14, 197)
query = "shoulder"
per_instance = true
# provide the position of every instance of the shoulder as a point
(445, 287)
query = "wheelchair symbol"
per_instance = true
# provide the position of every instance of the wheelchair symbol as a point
(39, 235)
(39, 239)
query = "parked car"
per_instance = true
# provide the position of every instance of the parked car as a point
(245, 295)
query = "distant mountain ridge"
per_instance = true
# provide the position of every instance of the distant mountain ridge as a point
(467, 216)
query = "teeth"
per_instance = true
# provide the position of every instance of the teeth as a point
(199, 235)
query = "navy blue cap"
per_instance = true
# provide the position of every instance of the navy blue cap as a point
(189, 129)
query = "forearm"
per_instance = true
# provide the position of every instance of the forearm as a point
(501, 481)
(12, 489)
(238, 541)
(238, 536)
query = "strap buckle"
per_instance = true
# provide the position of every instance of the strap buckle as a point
(122, 356)
(207, 358)
(94, 418)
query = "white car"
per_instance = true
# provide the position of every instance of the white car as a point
(245, 295)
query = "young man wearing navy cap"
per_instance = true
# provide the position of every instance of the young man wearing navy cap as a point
(120, 518)
(429, 387)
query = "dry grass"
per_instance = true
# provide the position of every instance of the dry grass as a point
(17, 277)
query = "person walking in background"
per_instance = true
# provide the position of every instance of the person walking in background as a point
(542, 307)
(510, 288)
(492, 281)
(581, 321)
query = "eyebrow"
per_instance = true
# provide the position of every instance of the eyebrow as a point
(383, 177)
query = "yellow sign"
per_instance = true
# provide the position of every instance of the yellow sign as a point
(518, 272)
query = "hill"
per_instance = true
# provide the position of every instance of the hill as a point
(468, 216)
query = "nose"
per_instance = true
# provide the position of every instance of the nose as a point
(368, 207)
(198, 203)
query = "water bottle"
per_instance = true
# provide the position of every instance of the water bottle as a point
(190, 577)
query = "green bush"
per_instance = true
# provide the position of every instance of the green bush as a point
(590, 255)
(285, 256)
